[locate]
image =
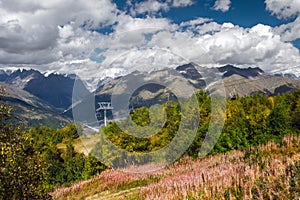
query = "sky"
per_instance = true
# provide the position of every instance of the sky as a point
(99, 38)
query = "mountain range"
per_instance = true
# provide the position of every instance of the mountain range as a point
(236, 81)
(41, 99)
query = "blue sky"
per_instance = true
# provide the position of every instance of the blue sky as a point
(98, 38)
(242, 13)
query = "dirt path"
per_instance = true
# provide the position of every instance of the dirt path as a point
(110, 196)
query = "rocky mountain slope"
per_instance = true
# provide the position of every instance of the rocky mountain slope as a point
(55, 89)
(40, 99)
(30, 110)
(251, 81)
(54, 92)
(159, 86)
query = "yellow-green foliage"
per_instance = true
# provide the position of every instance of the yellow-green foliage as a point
(22, 169)
(250, 120)
(64, 165)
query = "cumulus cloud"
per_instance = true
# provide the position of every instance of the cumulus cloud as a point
(153, 7)
(206, 43)
(289, 32)
(182, 3)
(149, 24)
(231, 44)
(222, 5)
(30, 30)
(195, 22)
(59, 12)
(283, 9)
(149, 6)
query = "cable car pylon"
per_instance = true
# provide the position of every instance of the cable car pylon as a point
(105, 106)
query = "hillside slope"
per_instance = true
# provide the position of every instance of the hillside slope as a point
(30, 110)
(268, 172)
(55, 89)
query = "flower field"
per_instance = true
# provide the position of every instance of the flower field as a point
(269, 171)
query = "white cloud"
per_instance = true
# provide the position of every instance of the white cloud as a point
(182, 3)
(283, 9)
(222, 5)
(59, 12)
(29, 29)
(227, 44)
(149, 6)
(142, 59)
(289, 32)
(208, 44)
(153, 7)
(127, 23)
(209, 28)
(257, 46)
(195, 22)
(131, 32)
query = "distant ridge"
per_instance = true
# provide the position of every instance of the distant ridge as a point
(237, 82)
(230, 70)
(55, 89)
(30, 110)
(40, 99)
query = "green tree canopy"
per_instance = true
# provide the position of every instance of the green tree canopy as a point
(21, 168)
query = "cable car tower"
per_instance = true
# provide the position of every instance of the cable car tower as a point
(105, 106)
(168, 103)
(233, 95)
